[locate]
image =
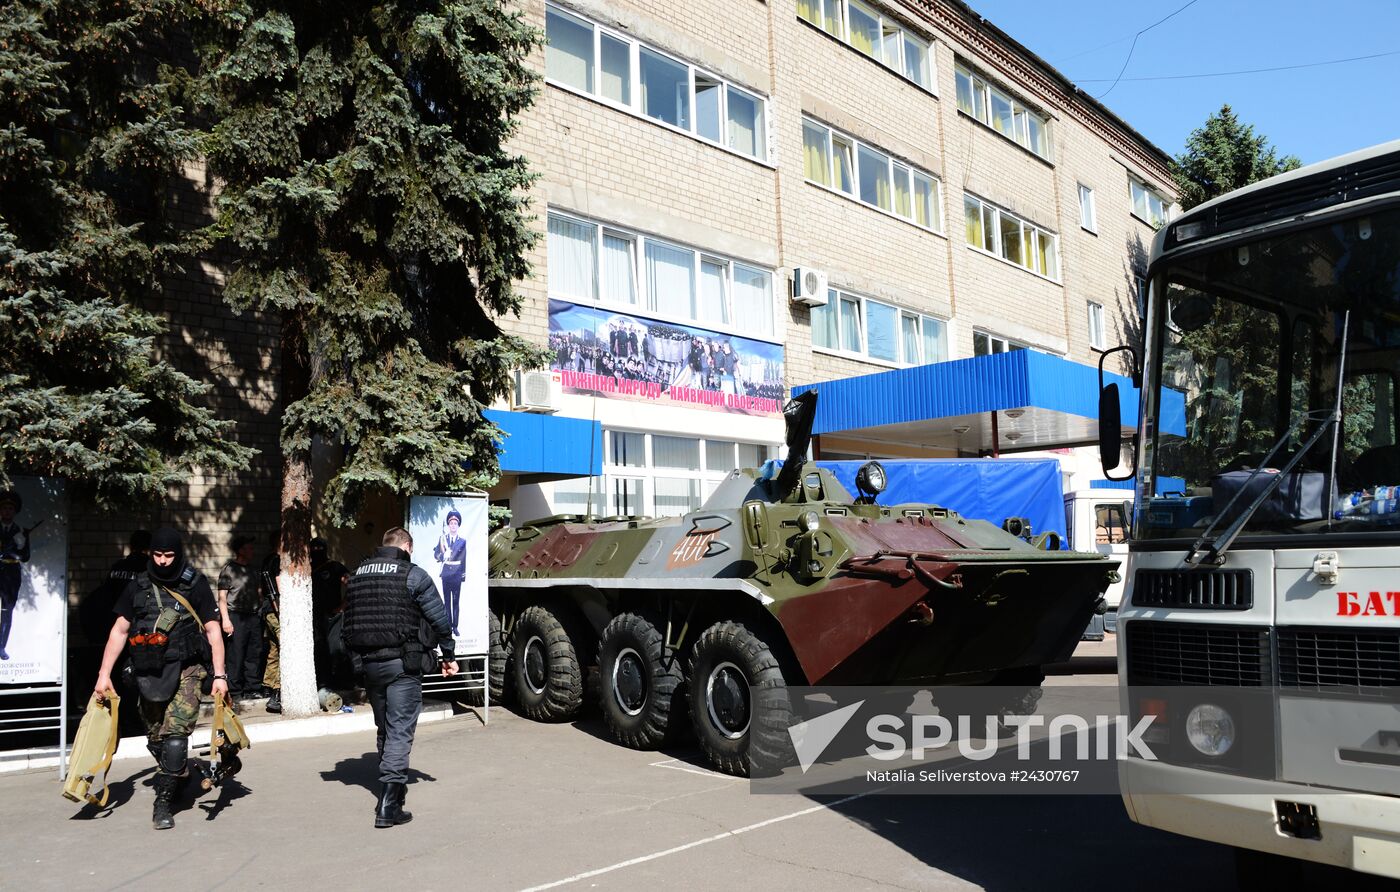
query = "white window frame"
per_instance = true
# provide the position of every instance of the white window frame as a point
(1157, 208)
(1021, 113)
(645, 303)
(1088, 212)
(862, 351)
(892, 162)
(763, 137)
(1098, 338)
(885, 23)
(1007, 344)
(647, 473)
(1031, 236)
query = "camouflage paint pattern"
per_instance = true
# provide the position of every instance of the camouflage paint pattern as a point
(863, 593)
(272, 635)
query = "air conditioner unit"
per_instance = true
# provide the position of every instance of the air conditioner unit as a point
(534, 392)
(809, 287)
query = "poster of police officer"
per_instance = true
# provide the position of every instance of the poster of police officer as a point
(33, 580)
(449, 541)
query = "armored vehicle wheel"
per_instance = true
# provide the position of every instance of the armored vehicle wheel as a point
(545, 670)
(730, 665)
(643, 683)
(498, 678)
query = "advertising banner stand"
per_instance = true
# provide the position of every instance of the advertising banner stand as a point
(449, 533)
(34, 611)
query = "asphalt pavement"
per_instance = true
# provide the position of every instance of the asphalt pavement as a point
(519, 805)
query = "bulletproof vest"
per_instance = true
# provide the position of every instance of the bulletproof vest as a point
(186, 637)
(379, 611)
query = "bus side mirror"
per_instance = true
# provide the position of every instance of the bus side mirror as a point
(1110, 428)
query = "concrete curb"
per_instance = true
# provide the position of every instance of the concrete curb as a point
(258, 732)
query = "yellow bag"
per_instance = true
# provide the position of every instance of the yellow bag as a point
(91, 756)
(226, 739)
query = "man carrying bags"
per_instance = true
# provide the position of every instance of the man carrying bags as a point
(394, 620)
(169, 618)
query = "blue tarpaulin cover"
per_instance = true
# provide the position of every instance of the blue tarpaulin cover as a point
(990, 489)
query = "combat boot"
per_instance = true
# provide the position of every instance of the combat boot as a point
(390, 809)
(165, 785)
(404, 814)
(274, 703)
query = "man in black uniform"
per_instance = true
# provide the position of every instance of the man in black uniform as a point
(328, 580)
(242, 621)
(393, 621)
(168, 616)
(14, 551)
(96, 612)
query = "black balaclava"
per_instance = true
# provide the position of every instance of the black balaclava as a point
(166, 539)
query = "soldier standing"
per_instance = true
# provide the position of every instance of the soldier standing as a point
(14, 551)
(451, 552)
(239, 603)
(393, 622)
(272, 625)
(168, 616)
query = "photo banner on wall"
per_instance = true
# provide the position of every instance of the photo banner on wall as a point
(619, 356)
(449, 541)
(33, 580)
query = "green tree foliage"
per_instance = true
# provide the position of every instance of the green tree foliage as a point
(1224, 154)
(91, 131)
(370, 200)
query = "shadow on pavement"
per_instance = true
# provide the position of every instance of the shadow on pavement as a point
(363, 771)
(119, 794)
(230, 791)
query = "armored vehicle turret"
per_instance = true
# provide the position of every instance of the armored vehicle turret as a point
(781, 578)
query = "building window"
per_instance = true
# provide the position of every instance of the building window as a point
(1002, 112)
(873, 329)
(1148, 205)
(834, 160)
(1140, 294)
(656, 475)
(998, 232)
(1087, 216)
(592, 262)
(874, 34)
(1096, 329)
(984, 344)
(586, 57)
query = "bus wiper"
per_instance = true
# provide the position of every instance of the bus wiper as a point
(1214, 549)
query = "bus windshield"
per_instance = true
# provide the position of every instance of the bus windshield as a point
(1251, 338)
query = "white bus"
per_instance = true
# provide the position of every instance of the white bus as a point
(1266, 577)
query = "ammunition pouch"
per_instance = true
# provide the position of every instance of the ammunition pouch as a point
(148, 658)
(416, 658)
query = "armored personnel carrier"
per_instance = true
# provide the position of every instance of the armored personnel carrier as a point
(781, 578)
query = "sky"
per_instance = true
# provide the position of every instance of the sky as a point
(1315, 113)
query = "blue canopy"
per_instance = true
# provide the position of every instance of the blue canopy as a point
(990, 489)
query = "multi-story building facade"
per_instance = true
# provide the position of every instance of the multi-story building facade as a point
(946, 192)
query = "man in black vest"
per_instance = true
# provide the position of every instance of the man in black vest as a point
(170, 619)
(393, 621)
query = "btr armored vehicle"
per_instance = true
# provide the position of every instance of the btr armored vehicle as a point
(781, 578)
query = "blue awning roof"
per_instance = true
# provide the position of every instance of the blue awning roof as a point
(1042, 402)
(548, 447)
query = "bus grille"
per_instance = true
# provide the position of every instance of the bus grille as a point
(1314, 659)
(1201, 590)
(1196, 654)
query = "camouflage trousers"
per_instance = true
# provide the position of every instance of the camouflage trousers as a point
(175, 717)
(272, 634)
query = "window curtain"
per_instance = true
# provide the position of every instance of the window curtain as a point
(915, 60)
(816, 160)
(675, 452)
(713, 306)
(618, 277)
(903, 200)
(875, 178)
(845, 165)
(810, 10)
(865, 30)
(935, 340)
(1012, 246)
(719, 456)
(824, 324)
(569, 54)
(850, 326)
(671, 279)
(909, 336)
(571, 259)
(676, 496)
(925, 205)
(753, 302)
(973, 211)
(629, 449)
(745, 124)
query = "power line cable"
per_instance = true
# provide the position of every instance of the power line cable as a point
(1182, 77)
(1134, 46)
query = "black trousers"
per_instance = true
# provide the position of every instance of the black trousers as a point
(9, 597)
(451, 600)
(244, 651)
(397, 699)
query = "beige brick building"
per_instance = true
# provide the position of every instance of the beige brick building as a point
(960, 196)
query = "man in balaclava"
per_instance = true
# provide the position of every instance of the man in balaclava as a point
(168, 617)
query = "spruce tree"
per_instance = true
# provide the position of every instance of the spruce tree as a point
(1224, 154)
(91, 131)
(369, 199)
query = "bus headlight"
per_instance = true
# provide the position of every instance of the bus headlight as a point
(1210, 729)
